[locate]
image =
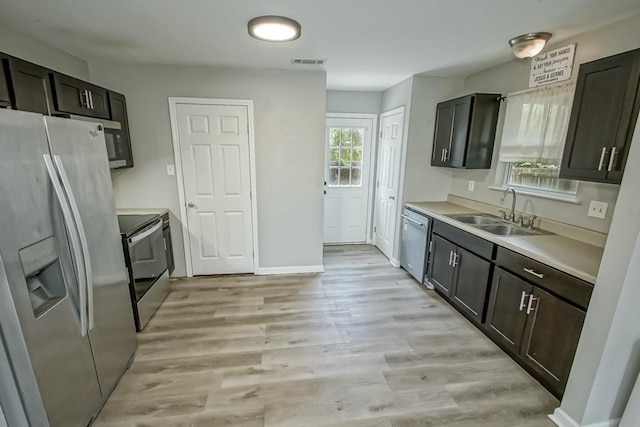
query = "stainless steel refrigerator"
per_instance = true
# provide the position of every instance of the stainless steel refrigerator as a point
(65, 312)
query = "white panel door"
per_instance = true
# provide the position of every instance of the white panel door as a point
(347, 171)
(387, 180)
(214, 145)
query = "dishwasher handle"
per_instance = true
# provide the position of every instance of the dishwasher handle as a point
(419, 224)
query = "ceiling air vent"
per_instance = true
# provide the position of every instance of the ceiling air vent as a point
(307, 61)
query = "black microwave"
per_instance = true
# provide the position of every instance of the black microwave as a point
(118, 149)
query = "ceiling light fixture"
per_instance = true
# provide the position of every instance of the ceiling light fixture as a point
(529, 45)
(274, 28)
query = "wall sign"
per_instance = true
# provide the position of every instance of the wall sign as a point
(553, 66)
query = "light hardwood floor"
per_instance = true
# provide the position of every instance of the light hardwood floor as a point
(360, 345)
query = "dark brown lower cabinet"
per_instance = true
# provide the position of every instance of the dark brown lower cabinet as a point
(441, 271)
(469, 292)
(506, 315)
(537, 327)
(461, 276)
(551, 337)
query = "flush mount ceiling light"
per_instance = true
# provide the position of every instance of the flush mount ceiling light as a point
(274, 28)
(529, 45)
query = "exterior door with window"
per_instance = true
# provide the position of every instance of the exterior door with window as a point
(388, 181)
(347, 171)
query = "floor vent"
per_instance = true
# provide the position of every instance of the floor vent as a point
(307, 61)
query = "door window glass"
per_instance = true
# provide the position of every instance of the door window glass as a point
(345, 157)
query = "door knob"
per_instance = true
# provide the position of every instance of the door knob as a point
(191, 205)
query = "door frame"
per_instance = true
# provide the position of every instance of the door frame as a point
(372, 162)
(401, 172)
(173, 104)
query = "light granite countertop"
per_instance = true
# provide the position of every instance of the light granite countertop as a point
(573, 257)
(142, 211)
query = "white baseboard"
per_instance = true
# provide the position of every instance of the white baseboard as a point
(394, 262)
(265, 271)
(562, 419)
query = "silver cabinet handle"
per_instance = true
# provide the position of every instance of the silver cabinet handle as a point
(523, 299)
(602, 156)
(85, 96)
(450, 257)
(84, 245)
(392, 197)
(534, 273)
(191, 205)
(90, 99)
(419, 224)
(456, 257)
(530, 307)
(612, 159)
(442, 155)
(141, 236)
(75, 242)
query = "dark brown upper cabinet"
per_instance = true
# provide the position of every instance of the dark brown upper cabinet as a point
(119, 143)
(30, 88)
(465, 131)
(5, 98)
(75, 96)
(603, 117)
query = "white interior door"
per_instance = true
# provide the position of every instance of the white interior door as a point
(347, 186)
(214, 147)
(387, 180)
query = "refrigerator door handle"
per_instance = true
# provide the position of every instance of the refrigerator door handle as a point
(75, 243)
(84, 245)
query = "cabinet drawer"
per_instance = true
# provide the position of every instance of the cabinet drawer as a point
(562, 284)
(472, 243)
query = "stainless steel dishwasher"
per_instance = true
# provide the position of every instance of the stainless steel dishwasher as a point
(414, 248)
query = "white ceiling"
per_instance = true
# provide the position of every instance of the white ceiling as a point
(369, 44)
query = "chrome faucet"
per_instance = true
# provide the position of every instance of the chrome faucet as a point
(512, 215)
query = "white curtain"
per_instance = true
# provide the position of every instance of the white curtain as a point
(535, 124)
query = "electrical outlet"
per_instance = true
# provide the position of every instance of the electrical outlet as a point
(598, 209)
(171, 170)
(472, 185)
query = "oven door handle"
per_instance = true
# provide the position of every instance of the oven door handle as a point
(136, 238)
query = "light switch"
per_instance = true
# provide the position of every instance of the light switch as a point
(598, 209)
(472, 185)
(171, 170)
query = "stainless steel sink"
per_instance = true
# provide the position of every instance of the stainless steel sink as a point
(508, 230)
(496, 225)
(476, 219)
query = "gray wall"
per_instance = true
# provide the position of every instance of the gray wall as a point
(419, 95)
(344, 101)
(28, 48)
(289, 112)
(608, 356)
(392, 98)
(422, 182)
(631, 417)
(513, 76)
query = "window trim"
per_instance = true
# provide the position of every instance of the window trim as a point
(541, 194)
